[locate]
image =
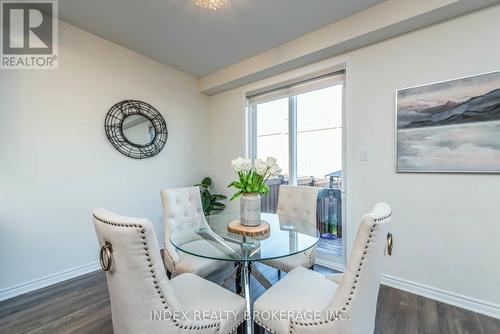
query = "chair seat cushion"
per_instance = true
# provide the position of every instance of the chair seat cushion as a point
(300, 290)
(291, 262)
(198, 265)
(197, 294)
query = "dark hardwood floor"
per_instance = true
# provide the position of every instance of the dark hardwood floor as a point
(81, 305)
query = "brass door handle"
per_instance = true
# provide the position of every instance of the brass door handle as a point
(389, 243)
(105, 256)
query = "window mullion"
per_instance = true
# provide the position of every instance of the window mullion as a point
(251, 137)
(292, 138)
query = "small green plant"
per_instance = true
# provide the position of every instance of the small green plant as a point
(210, 202)
(334, 225)
(334, 230)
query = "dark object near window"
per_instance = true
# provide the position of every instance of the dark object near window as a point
(136, 129)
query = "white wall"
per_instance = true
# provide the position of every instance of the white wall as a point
(445, 226)
(387, 19)
(56, 163)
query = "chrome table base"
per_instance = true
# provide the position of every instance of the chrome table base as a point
(242, 272)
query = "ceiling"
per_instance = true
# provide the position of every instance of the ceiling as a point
(198, 41)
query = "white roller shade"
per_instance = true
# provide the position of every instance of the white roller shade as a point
(300, 87)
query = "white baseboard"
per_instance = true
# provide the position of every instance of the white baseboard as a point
(447, 297)
(26, 287)
(45, 281)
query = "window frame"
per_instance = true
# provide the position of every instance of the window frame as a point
(291, 91)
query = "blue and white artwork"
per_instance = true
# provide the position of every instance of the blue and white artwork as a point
(451, 126)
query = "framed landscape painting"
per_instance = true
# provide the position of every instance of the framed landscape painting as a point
(451, 126)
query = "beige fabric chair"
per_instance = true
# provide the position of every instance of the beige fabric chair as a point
(352, 295)
(139, 287)
(297, 202)
(181, 205)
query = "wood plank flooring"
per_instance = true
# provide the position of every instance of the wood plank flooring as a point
(82, 305)
(330, 247)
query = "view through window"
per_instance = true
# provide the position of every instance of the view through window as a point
(272, 132)
(302, 128)
(318, 134)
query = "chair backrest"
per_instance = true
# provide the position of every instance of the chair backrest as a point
(298, 202)
(357, 293)
(137, 282)
(179, 206)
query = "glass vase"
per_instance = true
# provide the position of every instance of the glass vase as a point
(250, 209)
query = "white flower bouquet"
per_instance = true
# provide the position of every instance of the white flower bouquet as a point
(253, 177)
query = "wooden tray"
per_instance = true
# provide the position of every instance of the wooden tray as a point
(251, 231)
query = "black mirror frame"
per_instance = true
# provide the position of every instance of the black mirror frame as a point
(113, 126)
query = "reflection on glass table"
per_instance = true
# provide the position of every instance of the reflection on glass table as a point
(209, 238)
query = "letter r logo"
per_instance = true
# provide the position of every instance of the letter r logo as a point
(27, 27)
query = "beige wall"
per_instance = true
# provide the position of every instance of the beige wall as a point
(56, 163)
(446, 226)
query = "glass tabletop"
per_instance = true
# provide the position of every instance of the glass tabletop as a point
(209, 238)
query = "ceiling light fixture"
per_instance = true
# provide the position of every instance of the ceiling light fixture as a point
(211, 4)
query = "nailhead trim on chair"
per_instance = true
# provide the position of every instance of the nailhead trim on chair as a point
(351, 293)
(236, 327)
(312, 256)
(171, 262)
(216, 269)
(175, 273)
(141, 231)
(265, 327)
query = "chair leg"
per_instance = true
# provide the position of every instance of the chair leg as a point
(279, 274)
(169, 274)
(312, 267)
(238, 279)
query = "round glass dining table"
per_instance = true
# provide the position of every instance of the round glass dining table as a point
(209, 238)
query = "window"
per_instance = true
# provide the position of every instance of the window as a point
(319, 133)
(301, 126)
(272, 131)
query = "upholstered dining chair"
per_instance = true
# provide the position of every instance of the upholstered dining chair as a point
(143, 299)
(181, 205)
(297, 202)
(344, 303)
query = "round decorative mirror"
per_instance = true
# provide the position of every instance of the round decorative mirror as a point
(136, 129)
